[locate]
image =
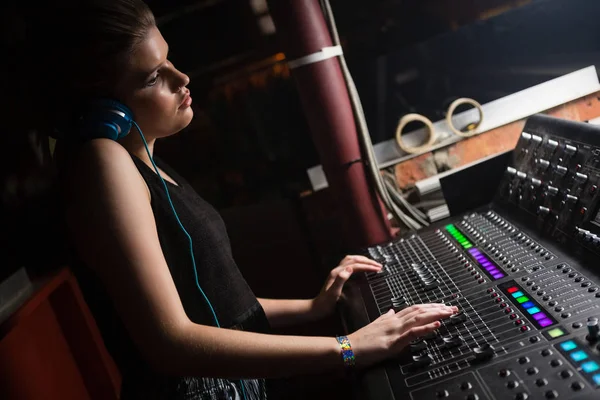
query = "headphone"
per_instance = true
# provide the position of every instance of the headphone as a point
(111, 119)
(104, 118)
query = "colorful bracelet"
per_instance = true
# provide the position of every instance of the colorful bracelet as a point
(347, 353)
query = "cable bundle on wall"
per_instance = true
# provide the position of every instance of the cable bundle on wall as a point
(391, 197)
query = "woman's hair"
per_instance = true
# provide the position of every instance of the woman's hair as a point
(79, 48)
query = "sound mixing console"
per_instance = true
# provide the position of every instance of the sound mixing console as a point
(524, 272)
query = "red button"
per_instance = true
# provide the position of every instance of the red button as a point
(508, 310)
(491, 290)
(518, 322)
(513, 316)
(502, 305)
(499, 300)
(512, 290)
(494, 294)
(524, 328)
(593, 189)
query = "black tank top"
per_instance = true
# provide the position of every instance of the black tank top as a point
(233, 301)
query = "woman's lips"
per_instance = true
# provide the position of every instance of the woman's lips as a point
(187, 101)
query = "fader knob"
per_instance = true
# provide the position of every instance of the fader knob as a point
(483, 353)
(560, 170)
(543, 164)
(422, 359)
(571, 199)
(570, 150)
(418, 345)
(581, 178)
(431, 335)
(431, 285)
(458, 318)
(593, 330)
(551, 144)
(511, 171)
(536, 182)
(398, 303)
(552, 191)
(452, 341)
(543, 211)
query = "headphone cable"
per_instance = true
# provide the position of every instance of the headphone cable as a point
(186, 234)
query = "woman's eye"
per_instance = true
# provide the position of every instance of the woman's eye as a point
(153, 81)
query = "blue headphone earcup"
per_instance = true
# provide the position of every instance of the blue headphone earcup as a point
(105, 118)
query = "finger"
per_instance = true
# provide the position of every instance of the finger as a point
(424, 318)
(404, 320)
(417, 308)
(423, 307)
(340, 280)
(352, 259)
(365, 260)
(361, 267)
(414, 333)
(346, 260)
(387, 314)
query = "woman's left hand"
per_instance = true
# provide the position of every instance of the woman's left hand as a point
(324, 303)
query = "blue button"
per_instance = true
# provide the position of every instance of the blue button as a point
(590, 366)
(533, 310)
(568, 345)
(517, 294)
(596, 379)
(579, 355)
(527, 304)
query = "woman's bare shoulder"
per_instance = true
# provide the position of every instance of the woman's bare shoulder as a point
(100, 167)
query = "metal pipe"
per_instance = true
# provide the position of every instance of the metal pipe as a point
(302, 31)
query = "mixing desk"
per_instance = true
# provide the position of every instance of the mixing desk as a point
(523, 271)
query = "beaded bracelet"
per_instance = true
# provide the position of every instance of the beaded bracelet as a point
(347, 353)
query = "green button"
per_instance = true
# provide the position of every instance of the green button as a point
(522, 299)
(468, 246)
(556, 332)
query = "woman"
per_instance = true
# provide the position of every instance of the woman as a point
(138, 274)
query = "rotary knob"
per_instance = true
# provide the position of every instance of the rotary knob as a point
(593, 331)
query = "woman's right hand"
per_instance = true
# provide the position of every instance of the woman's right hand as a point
(391, 332)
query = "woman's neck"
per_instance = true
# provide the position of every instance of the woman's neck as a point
(134, 145)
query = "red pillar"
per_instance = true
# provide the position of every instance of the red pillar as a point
(302, 30)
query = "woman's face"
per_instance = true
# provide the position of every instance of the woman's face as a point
(155, 90)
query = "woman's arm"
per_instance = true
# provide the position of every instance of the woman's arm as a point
(288, 312)
(113, 227)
